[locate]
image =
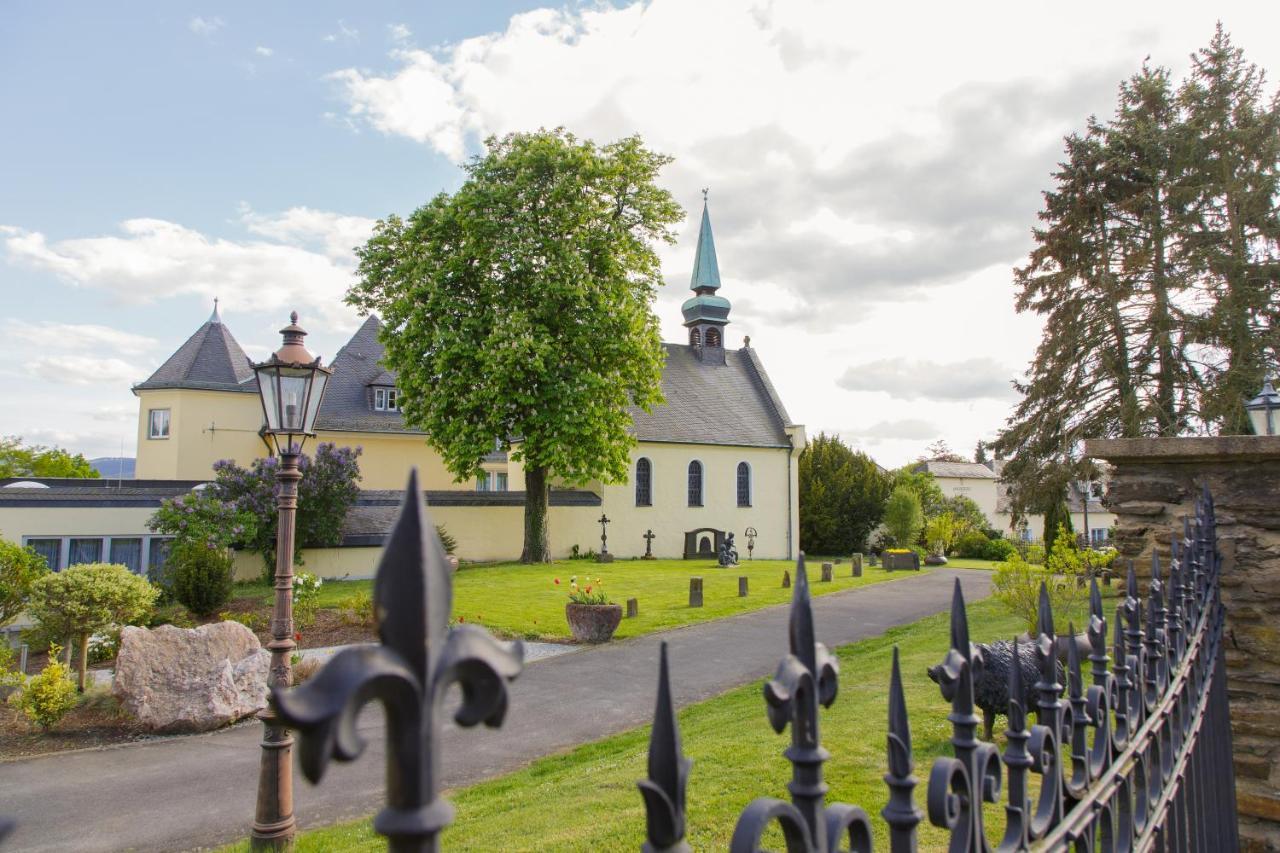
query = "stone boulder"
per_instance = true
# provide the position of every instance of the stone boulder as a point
(191, 679)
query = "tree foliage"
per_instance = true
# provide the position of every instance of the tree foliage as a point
(903, 517)
(1155, 270)
(842, 495)
(19, 569)
(87, 598)
(327, 491)
(37, 460)
(520, 307)
(926, 489)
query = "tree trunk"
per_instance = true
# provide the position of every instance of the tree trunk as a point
(537, 543)
(83, 665)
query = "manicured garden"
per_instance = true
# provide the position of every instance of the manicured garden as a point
(524, 601)
(586, 798)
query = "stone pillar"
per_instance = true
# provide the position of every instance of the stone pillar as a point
(695, 592)
(1154, 483)
(742, 586)
(827, 570)
(633, 608)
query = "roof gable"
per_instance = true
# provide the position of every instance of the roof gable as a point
(346, 405)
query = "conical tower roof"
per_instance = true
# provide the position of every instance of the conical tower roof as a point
(705, 306)
(210, 360)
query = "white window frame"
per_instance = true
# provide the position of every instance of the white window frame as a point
(64, 547)
(702, 484)
(386, 399)
(152, 434)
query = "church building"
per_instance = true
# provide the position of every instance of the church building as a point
(719, 456)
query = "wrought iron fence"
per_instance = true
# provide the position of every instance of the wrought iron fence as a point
(1138, 759)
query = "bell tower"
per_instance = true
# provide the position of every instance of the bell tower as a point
(706, 314)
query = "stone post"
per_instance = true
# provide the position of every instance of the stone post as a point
(695, 592)
(742, 586)
(856, 560)
(827, 571)
(633, 608)
(1154, 483)
(786, 579)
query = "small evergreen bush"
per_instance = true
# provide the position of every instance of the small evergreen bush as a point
(46, 698)
(202, 576)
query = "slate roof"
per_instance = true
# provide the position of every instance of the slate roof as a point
(370, 520)
(731, 404)
(347, 406)
(734, 403)
(210, 360)
(965, 470)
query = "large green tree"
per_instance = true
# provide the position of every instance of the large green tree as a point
(36, 460)
(842, 495)
(1233, 183)
(520, 308)
(1154, 270)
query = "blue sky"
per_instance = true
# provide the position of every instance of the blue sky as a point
(875, 172)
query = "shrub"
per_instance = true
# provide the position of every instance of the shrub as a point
(358, 609)
(9, 675)
(446, 540)
(202, 576)
(998, 549)
(972, 546)
(903, 517)
(87, 599)
(105, 646)
(252, 620)
(171, 614)
(1035, 555)
(47, 697)
(1017, 586)
(306, 598)
(19, 569)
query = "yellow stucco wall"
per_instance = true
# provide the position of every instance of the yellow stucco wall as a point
(204, 426)
(16, 522)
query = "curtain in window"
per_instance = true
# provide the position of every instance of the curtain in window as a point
(157, 556)
(644, 482)
(85, 551)
(695, 483)
(744, 484)
(500, 479)
(50, 549)
(127, 552)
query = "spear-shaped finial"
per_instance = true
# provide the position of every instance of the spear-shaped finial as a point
(900, 813)
(664, 790)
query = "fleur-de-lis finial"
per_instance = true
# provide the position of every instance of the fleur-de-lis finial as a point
(805, 679)
(900, 813)
(664, 790)
(419, 657)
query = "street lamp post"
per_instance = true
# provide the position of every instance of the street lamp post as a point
(1263, 409)
(1084, 486)
(291, 384)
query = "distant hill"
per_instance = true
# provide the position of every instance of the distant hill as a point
(114, 467)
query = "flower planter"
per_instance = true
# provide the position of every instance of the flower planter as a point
(592, 623)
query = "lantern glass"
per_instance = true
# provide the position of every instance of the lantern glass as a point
(293, 386)
(267, 390)
(1263, 410)
(318, 381)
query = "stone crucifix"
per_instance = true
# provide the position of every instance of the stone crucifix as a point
(604, 534)
(648, 544)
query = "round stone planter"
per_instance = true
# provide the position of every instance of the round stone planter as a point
(593, 623)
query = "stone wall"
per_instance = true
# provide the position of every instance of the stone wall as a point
(1153, 486)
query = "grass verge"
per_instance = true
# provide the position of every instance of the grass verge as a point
(586, 799)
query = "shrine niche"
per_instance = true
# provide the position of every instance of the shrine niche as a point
(703, 543)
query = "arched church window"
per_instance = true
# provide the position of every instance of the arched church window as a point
(644, 482)
(713, 337)
(744, 484)
(695, 483)
(695, 338)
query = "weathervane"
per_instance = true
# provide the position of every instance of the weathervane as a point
(705, 190)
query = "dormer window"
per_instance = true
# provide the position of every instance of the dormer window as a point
(386, 400)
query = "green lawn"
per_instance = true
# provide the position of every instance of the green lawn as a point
(516, 600)
(586, 799)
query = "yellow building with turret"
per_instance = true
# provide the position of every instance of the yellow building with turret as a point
(719, 456)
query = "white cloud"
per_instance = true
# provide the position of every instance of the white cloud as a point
(86, 370)
(306, 261)
(205, 26)
(79, 337)
(261, 50)
(911, 379)
(399, 32)
(905, 429)
(344, 33)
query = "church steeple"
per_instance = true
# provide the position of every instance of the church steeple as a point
(706, 314)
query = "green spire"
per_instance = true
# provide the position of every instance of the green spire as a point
(706, 271)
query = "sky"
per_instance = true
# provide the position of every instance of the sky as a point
(874, 170)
